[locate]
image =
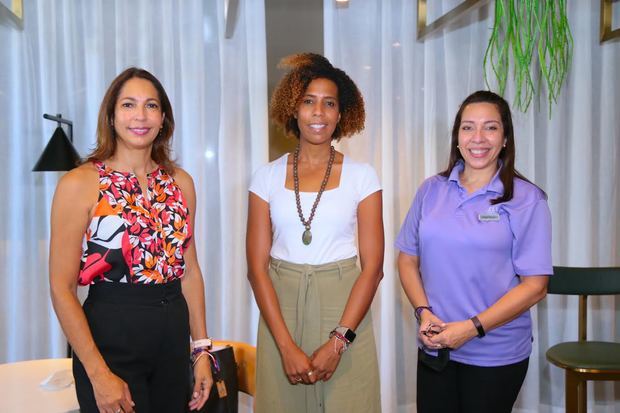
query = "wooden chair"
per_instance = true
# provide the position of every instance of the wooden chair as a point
(245, 356)
(584, 360)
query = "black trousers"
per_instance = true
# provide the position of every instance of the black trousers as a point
(142, 331)
(463, 388)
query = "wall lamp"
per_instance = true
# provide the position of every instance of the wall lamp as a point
(59, 154)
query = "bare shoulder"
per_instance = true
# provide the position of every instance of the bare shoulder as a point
(184, 180)
(78, 189)
(81, 180)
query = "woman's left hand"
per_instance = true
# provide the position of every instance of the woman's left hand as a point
(325, 359)
(455, 334)
(203, 380)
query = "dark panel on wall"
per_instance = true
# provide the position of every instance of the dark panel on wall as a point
(293, 26)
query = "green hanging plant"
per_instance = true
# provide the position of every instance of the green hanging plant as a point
(531, 32)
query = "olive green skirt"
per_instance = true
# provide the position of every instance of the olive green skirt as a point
(312, 299)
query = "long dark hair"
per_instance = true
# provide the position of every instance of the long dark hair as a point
(106, 138)
(507, 172)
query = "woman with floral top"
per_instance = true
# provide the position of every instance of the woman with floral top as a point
(122, 224)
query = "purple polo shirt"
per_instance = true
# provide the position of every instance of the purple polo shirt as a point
(472, 253)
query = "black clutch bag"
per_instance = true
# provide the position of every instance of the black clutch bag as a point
(223, 397)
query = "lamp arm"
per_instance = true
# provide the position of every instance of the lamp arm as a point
(58, 118)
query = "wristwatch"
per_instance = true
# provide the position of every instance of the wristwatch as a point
(346, 333)
(478, 325)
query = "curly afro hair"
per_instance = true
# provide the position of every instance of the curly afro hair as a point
(304, 68)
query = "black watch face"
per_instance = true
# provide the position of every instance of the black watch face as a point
(349, 335)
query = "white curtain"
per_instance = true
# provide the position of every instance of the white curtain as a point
(62, 61)
(412, 91)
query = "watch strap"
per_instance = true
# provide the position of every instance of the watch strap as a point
(478, 325)
(203, 343)
(346, 332)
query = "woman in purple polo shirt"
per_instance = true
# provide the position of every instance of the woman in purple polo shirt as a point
(475, 256)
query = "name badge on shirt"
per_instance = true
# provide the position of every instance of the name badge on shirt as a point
(490, 216)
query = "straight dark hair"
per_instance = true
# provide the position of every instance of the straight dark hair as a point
(507, 173)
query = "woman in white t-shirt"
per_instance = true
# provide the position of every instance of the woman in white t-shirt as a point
(302, 255)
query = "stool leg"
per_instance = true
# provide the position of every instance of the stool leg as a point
(571, 392)
(583, 396)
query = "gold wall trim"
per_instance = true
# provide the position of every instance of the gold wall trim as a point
(607, 31)
(453, 15)
(14, 9)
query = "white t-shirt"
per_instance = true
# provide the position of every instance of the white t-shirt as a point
(333, 226)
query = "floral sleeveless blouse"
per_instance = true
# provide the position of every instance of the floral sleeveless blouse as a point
(134, 237)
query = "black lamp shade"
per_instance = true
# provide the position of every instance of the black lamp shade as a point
(58, 155)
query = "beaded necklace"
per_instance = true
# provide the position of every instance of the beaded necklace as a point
(306, 237)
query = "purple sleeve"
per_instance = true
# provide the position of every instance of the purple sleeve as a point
(407, 240)
(531, 245)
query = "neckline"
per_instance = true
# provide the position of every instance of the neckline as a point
(128, 173)
(494, 185)
(285, 162)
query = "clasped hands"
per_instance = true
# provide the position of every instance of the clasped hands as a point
(435, 334)
(301, 369)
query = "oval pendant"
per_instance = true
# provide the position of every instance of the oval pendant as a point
(306, 237)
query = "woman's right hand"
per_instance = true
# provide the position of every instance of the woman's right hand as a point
(297, 365)
(112, 393)
(430, 325)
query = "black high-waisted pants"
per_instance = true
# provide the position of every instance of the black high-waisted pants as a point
(142, 331)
